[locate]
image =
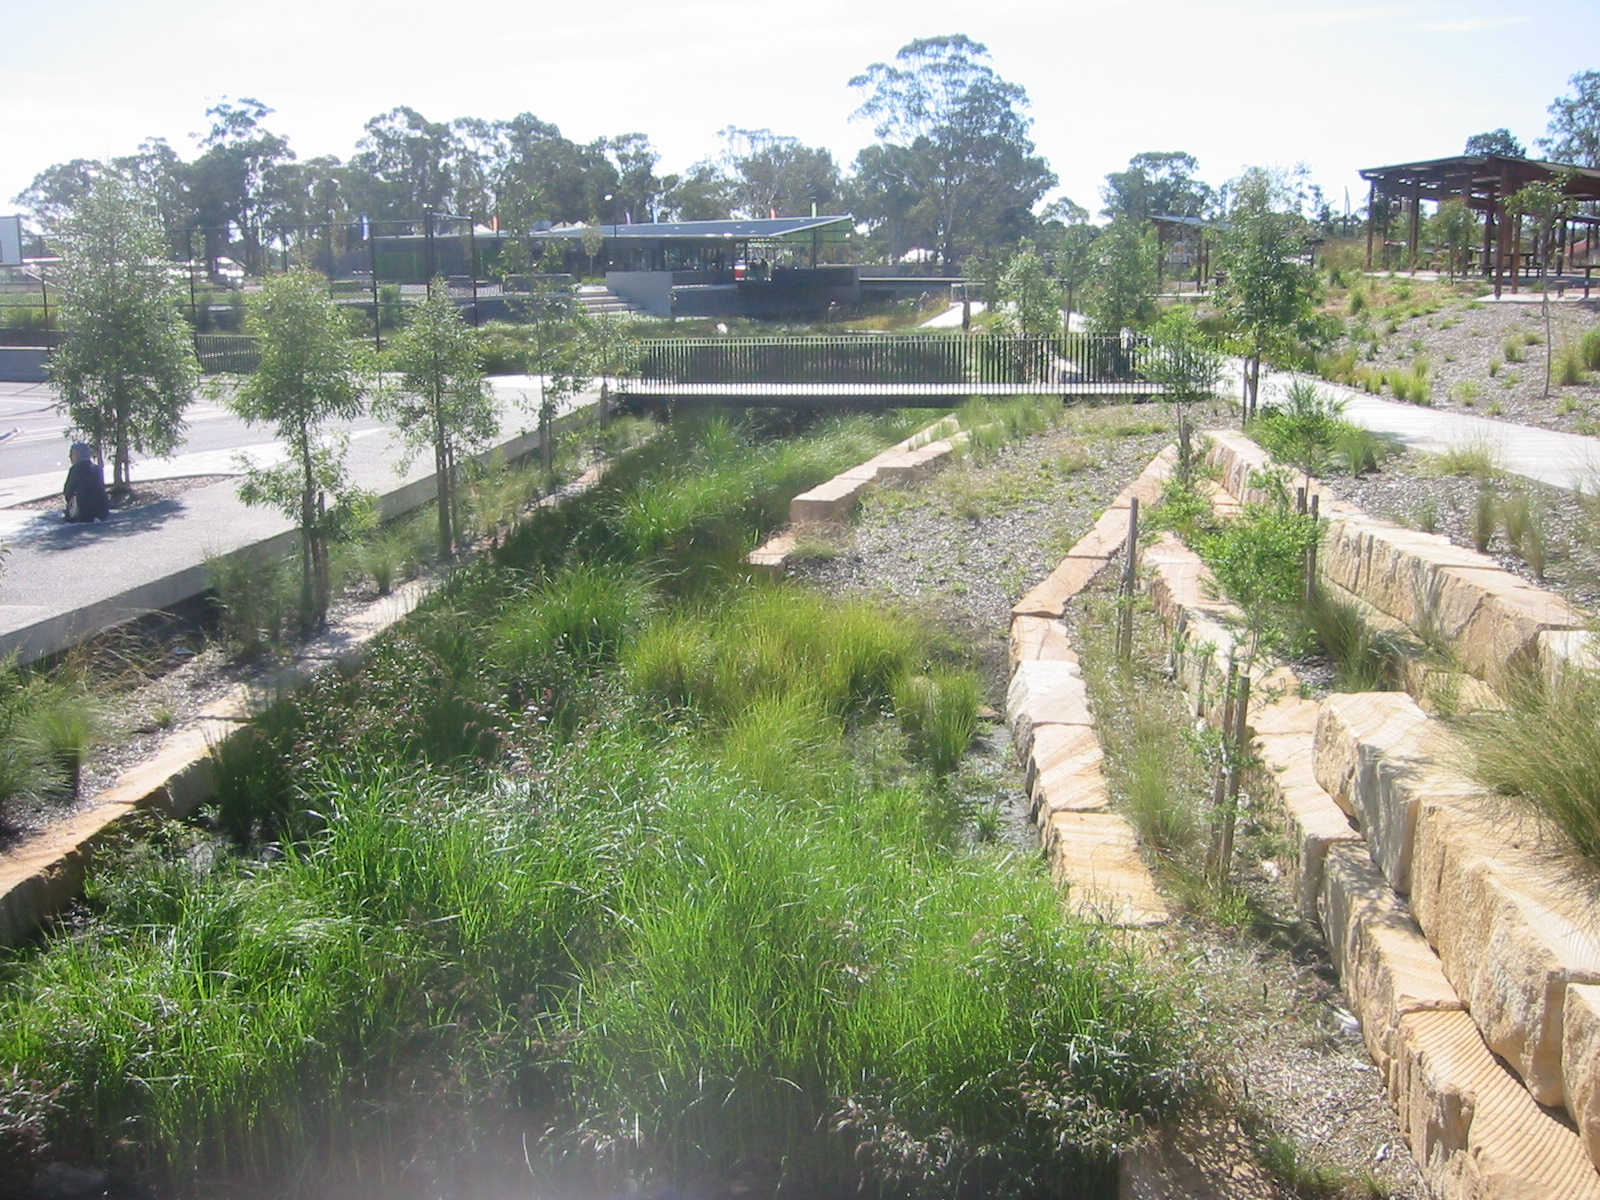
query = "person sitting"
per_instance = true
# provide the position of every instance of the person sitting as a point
(85, 492)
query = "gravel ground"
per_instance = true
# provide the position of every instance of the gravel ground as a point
(1411, 491)
(960, 548)
(1465, 338)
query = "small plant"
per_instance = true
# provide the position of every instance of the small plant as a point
(939, 713)
(1589, 350)
(1485, 512)
(1365, 660)
(1512, 349)
(1467, 392)
(1426, 515)
(1569, 366)
(1494, 367)
(1478, 460)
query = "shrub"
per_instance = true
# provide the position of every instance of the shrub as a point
(1569, 366)
(1589, 350)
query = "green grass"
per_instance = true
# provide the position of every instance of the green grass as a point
(606, 865)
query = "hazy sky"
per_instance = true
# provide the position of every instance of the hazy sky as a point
(1336, 84)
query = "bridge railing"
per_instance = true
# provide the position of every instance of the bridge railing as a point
(1034, 363)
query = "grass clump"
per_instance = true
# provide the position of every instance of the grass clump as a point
(1305, 428)
(1544, 747)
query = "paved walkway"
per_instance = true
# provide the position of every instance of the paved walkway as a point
(61, 583)
(1566, 460)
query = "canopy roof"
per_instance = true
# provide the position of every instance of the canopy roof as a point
(1481, 178)
(766, 229)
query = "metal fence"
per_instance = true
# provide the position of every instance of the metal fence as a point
(1107, 362)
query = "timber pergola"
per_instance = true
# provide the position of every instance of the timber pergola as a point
(1485, 182)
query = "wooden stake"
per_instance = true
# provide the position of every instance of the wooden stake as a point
(1125, 632)
(1311, 559)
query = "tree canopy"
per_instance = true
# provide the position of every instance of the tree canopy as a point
(127, 369)
(1157, 183)
(957, 172)
(1496, 141)
(1575, 123)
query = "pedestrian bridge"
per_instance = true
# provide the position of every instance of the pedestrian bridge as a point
(884, 370)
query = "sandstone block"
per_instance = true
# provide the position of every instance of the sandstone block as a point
(1385, 965)
(1034, 637)
(1371, 752)
(1474, 1130)
(1518, 994)
(1058, 754)
(1049, 597)
(772, 556)
(914, 464)
(1313, 822)
(1510, 932)
(1561, 650)
(830, 502)
(1045, 693)
(1096, 855)
(1580, 1061)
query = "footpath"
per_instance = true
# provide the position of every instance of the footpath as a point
(1567, 460)
(61, 584)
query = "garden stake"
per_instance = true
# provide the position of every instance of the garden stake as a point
(1237, 754)
(1311, 559)
(1219, 785)
(1125, 633)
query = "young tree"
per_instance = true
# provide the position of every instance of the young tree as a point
(127, 368)
(311, 373)
(1456, 229)
(443, 400)
(1269, 289)
(1122, 278)
(971, 168)
(1542, 205)
(1030, 299)
(1186, 364)
(1575, 123)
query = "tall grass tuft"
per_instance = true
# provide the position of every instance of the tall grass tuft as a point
(939, 712)
(1364, 659)
(1544, 747)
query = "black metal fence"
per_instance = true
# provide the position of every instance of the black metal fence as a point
(1038, 363)
(230, 353)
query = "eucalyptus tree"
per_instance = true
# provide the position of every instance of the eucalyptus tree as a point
(966, 170)
(126, 370)
(1157, 183)
(1269, 287)
(311, 373)
(228, 179)
(443, 402)
(1496, 141)
(1575, 123)
(777, 175)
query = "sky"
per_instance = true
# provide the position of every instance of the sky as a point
(1335, 84)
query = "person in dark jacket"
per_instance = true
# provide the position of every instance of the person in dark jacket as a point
(85, 492)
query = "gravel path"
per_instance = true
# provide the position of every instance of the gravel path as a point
(1469, 346)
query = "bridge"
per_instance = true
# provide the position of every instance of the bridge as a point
(924, 370)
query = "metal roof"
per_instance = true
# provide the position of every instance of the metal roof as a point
(763, 229)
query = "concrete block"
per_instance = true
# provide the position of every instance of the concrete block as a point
(1096, 856)
(1475, 1132)
(1580, 1062)
(1039, 638)
(772, 556)
(1386, 966)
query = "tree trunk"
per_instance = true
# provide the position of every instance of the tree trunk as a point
(445, 482)
(308, 533)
